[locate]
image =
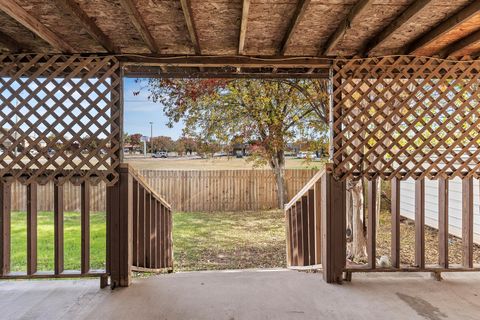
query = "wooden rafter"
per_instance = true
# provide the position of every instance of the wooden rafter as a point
(450, 24)
(297, 17)
(15, 11)
(88, 24)
(226, 61)
(243, 27)
(10, 43)
(357, 10)
(404, 18)
(192, 30)
(456, 47)
(140, 25)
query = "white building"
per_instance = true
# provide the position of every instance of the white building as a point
(407, 205)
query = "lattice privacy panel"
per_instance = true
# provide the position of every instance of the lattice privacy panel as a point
(60, 118)
(406, 117)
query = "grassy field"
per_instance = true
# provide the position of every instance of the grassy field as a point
(211, 164)
(229, 240)
(46, 244)
(202, 241)
(209, 241)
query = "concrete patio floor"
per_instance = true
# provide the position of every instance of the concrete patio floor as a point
(247, 294)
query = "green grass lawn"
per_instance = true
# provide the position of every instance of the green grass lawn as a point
(229, 240)
(46, 241)
(202, 241)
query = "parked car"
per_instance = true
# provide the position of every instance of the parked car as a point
(306, 155)
(160, 154)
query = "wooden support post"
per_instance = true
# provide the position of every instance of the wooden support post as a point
(420, 223)
(120, 229)
(58, 227)
(31, 228)
(443, 222)
(85, 226)
(5, 214)
(467, 222)
(311, 227)
(318, 222)
(372, 224)
(333, 227)
(395, 208)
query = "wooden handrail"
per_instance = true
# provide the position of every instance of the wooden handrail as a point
(144, 183)
(305, 188)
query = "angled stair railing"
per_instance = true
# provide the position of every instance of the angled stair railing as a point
(139, 225)
(315, 226)
(152, 228)
(303, 224)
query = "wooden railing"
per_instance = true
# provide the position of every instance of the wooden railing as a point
(316, 221)
(139, 225)
(32, 235)
(419, 264)
(315, 226)
(152, 228)
(303, 224)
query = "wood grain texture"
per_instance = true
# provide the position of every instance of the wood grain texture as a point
(18, 13)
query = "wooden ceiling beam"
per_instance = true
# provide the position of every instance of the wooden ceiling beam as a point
(405, 17)
(11, 8)
(243, 27)
(357, 10)
(227, 61)
(297, 17)
(10, 43)
(451, 23)
(88, 24)
(454, 48)
(140, 25)
(192, 30)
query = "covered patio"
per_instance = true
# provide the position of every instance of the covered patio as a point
(404, 103)
(248, 294)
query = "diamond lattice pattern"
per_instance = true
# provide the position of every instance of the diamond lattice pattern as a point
(406, 117)
(59, 118)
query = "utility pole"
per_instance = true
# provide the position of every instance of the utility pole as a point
(151, 137)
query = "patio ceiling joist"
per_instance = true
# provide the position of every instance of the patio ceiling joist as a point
(88, 24)
(140, 25)
(297, 17)
(243, 27)
(455, 48)
(452, 23)
(192, 30)
(405, 17)
(358, 9)
(11, 8)
(226, 61)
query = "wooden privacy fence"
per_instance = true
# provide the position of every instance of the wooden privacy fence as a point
(186, 190)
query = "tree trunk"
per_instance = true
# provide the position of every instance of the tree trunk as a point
(358, 247)
(277, 163)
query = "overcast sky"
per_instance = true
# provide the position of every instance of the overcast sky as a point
(139, 112)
